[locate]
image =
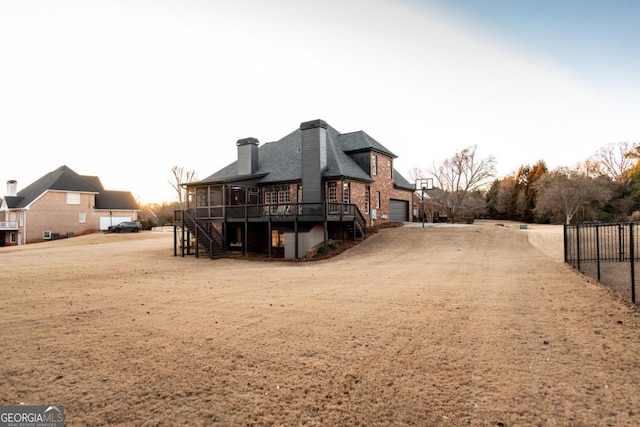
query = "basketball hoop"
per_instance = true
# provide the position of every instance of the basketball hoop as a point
(424, 184)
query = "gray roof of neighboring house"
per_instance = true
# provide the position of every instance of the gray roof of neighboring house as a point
(116, 200)
(281, 161)
(65, 179)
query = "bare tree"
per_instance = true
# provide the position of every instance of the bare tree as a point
(461, 175)
(563, 193)
(613, 160)
(181, 177)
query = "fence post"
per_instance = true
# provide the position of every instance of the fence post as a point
(566, 250)
(578, 246)
(598, 249)
(632, 256)
(620, 243)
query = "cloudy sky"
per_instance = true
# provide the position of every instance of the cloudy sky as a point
(126, 89)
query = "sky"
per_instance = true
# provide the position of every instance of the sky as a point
(126, 89)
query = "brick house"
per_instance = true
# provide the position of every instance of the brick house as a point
(61, 204)
(287, 197)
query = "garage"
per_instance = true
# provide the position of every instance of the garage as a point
(399, 210)
(107, 221)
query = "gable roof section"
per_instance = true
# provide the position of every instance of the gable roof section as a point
(63, 179)
(340, 164)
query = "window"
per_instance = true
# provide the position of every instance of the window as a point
(374, 164)
(73, 198)
(345, 192)
(237, 196)
(46, 234)
(346, 196)
(367, 195)
(377, 200)
(277, 238)
(82, 217)
(12, 237)
(284, 196)
(284, 201)
(271, 199)
(333, 192)
(333, 198)
(389, 169)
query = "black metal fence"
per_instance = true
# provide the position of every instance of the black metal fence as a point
(609, 253)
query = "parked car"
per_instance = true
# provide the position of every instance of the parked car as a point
(131, 226)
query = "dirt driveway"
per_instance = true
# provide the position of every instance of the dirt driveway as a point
(480, 325)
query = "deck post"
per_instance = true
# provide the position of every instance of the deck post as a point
(175, 240)
(295, 227)
(245, 251)
(325, 213)
(182, 239)
(269, 236)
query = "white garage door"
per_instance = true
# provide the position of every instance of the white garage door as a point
(107, 221)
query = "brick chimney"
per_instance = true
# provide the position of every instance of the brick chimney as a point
(247, 156)
(314, 160)
(12, 188)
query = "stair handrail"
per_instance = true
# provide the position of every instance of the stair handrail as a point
(359, 217)
(210, 237)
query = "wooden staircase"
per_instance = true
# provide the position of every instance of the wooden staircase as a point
(207, 238)
(357, 228)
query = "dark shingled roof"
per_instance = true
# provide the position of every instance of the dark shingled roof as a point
(65, 179)
(281, 161)
(360, 141)
(401, 182)
(116, 200)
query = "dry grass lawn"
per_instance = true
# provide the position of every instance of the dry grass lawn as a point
(478, 325)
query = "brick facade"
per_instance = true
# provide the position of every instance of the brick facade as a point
(52, 213)
(383, 184)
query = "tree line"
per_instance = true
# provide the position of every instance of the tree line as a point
(605, 187)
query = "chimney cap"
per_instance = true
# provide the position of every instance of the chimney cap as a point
(313, 124)
(247, 141)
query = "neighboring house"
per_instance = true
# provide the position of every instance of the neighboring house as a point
(287, 197)
(61, 204)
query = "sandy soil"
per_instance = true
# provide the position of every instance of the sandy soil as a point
(480, 325)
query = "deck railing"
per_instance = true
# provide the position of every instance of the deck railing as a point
(322, 211)
(291, 210)
(8, 225)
